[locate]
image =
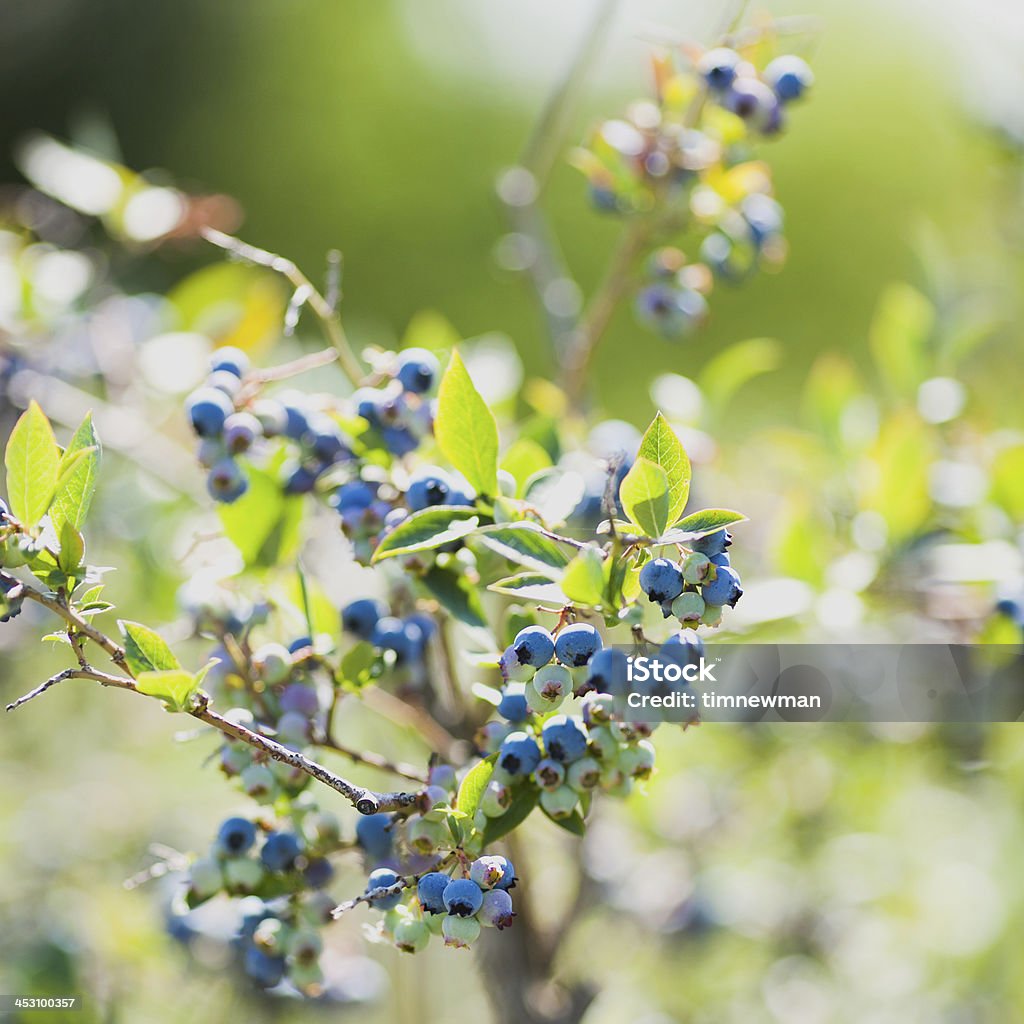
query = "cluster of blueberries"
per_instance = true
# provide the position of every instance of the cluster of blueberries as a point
(695, 589)
(456, 908)
(287, 872)
(369, 618)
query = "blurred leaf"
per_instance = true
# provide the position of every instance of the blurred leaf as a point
(707, 520)
(661, 446)
(584, 579)
(644, 495)
(32, 459)
(175, 687)
(733, 367)
(145, 650)
(466, 430)
(456, 593)
(78, 474)
(357, 667)
(472, 788)
(524, 544)
(524, 458)
(317, 608)
(831, 384)
(432, 330)
(554, 493)
(800, 544)
(523, 802)
(574, 823)
(426, 529)
(895, 477)
(1008, 481)
(264, 523)
(530, 586)
(899, 336)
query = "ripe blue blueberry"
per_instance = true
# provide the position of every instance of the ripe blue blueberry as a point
(207, 410)
(462, 897)
(405, 639)
(327, 442)
(513, 706)
(724, 589)
(300, 699)
(789, 76)
(318, 873)
(534, 646)
(373, 834)
(399, 440)
(296, 422)
(683, 648)
(235, 837)
(428, 488)
(607, 672)
(355, 495)
(272, 417)
(229, 360)
(240, 432)
(417, 370)
(487, 872)
(713, 543)
(508, 874)
(299, 479)
(496, 909)
(752, 100)
(430, 891)
(564, 739)
(266, 971)
(518, 754)
(1011, 609)
(224, 381)
(9, 608)
(280, 851)
(549, 774)
(718, 67)
(722, 559)
(381, 878)
(362, 615)
(764, 217)
(661, 580)
(577, 644)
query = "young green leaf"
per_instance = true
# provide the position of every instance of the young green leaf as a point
(531, 586)
(644, 494)
(471, 790)
(700, 524)
(524, 544)
(465, 428)
(264, 524)
(77, 476)
(457, 595)
(72, 548)
(32, 459)
(524, 458)
(175, 687)
(584, 579)
(145, 650)
(426, 529)
(661, 446)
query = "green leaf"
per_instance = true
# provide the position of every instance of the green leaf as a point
(661, 446)
(32, 460)
(1008, 481)
(700, 524)
(644, 495)
(584, 580)
(77, 477)
(899, 336)
(145, 650)
(519, 810)
(91, 595)
(264, 524)
(574, 823)
(554, 493)
(358, 666)
(426, 529)
(456, 594)
(466, 430)
(733, 367)
(531, 586)
(523, 459)
(175, 687)
(525, 544)
(432, 330)
(72, 548)
(471, 790)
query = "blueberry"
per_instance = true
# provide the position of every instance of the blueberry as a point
(460, 499)
(293, 727)
(426, 624)
(789, 76)
(496, 909)
(362, 615)
(764, 217)
(301, 643)
(607, 671)
(399, 440)
(661, 580)
(1010, 608)
(462, 897)
(405, 639)
(487, 872)
(518, 754)
(724, 589)
(722, 559)
(299, 479)
(9, 608)
(373, 834)
(583, 774)
(382, 878)
(752, 101)
(559, 803)
(688, 607)
(207, 410)
(229, 360)
(490, 736)
(671, 311)
(712, 543)
(683, 648)
(235, 837)
(513, 706)
(272, 417)
(327, 442)
(428, 489)
(296, 423)
(577, 644)
(496, 800)
(533, 646)
(417, 370)
(430, 891)
(718, 67)
(367, 402)
(273, 662)
(549, 774)
(224, 381)
(280, 851)
(460, 932)
(411, 935)
(508, 874)
(564, 739)
(205, 878)
(266, 971)
(240, 432)
(443, 775)
(356, 495)
(318, 873)
(300, 699)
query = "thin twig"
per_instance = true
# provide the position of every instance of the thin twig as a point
(374, 760)
(328, 317)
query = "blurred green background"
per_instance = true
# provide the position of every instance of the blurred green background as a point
(773, 874)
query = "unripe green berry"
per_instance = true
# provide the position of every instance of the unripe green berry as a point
(559, 803)
(603, 745)
(305, 946)
(307, 978)
(688, 607)
(323, 828)
(496, 799)
(695, 567)
(271, 936)
(242, 875)
(412, 935)
(258, 782)
(273, 662)
(234, 759)
(427, 836)
(712, 615)
(637, 761)
(583, 774)
(205, 878)
(460, 932)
